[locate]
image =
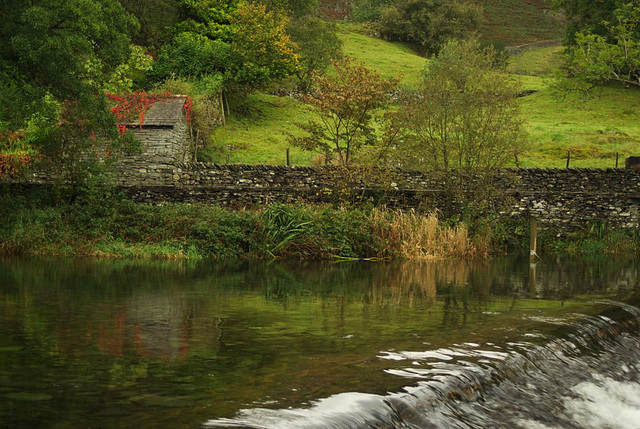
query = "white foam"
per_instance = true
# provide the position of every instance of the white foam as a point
(346, 408)
(605, 403)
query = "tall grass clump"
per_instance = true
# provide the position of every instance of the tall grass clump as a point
(412, 236)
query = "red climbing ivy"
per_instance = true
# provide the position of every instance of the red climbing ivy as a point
(188, 109)
(133, 106)
(15, 154)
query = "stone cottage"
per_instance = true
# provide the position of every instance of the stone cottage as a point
(165, 137)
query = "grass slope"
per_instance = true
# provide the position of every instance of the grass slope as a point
(388, 58)
(259, 134)
(592, 130)
(516, 22)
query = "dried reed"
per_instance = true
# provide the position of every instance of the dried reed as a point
(413, 236)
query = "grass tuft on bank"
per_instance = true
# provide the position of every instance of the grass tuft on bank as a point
(117, 227)
(114, 226)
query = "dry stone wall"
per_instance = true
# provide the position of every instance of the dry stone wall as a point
(562, 199)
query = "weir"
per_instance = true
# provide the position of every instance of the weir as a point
(95, 343)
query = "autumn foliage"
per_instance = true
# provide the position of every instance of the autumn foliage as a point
(344, 102)
(132, 107)
(14, 153)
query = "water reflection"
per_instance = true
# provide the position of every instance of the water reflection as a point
(87, 342)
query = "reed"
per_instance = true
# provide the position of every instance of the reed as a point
(413, 236)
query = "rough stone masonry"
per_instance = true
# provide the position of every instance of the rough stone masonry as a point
(564, 199)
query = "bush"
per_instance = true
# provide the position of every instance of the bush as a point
(191, 55)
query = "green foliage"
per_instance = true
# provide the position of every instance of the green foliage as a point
(318, 44)
(191, 55)
(345, 102)
(465, 116)
(261, 47)
(597, 238)
(208, 18)
(126, 75)
(293, 8)
(56, 59)
(155, 17)
(369, 10)
(281, 227)
(428, 24)
(595, 59)
(586, 16)
(49, 44)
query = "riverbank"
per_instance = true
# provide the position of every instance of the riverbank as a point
(114, 226)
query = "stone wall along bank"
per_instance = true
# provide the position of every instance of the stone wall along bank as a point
(563, 199)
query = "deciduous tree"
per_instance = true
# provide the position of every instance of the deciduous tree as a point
(595, 59)
(55, 58)
(210, 18)
(587, 16)
(262, 49)
(465, 115)
(318, 44)
(344, 102)
(428, 24)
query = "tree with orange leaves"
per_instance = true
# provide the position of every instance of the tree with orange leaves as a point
(344, 102)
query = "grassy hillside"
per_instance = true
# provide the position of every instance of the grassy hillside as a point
(259, 134)
(593, 130)
(516, 22)
(390, 59)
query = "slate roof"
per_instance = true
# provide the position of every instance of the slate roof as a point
(163, 113)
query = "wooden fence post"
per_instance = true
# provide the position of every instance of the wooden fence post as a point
(534, 241)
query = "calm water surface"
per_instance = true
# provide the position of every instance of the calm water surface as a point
(120, 344)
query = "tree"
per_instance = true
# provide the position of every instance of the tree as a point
(595, 59)
(191, 55)
(55, 58)
(156, 17)
(293, 8)
(429, 24)
(587, 16)
(344, 102)
(209, 18)
(465, 115)
(318, 44)
(262, 49)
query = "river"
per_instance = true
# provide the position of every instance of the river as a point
(135, 344)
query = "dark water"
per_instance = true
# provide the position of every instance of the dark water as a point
(118, 344)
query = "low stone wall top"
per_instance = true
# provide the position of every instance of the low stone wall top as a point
(521, 181)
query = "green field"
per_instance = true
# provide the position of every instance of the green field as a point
(388, 58)
(259, 136)
(593, 130)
